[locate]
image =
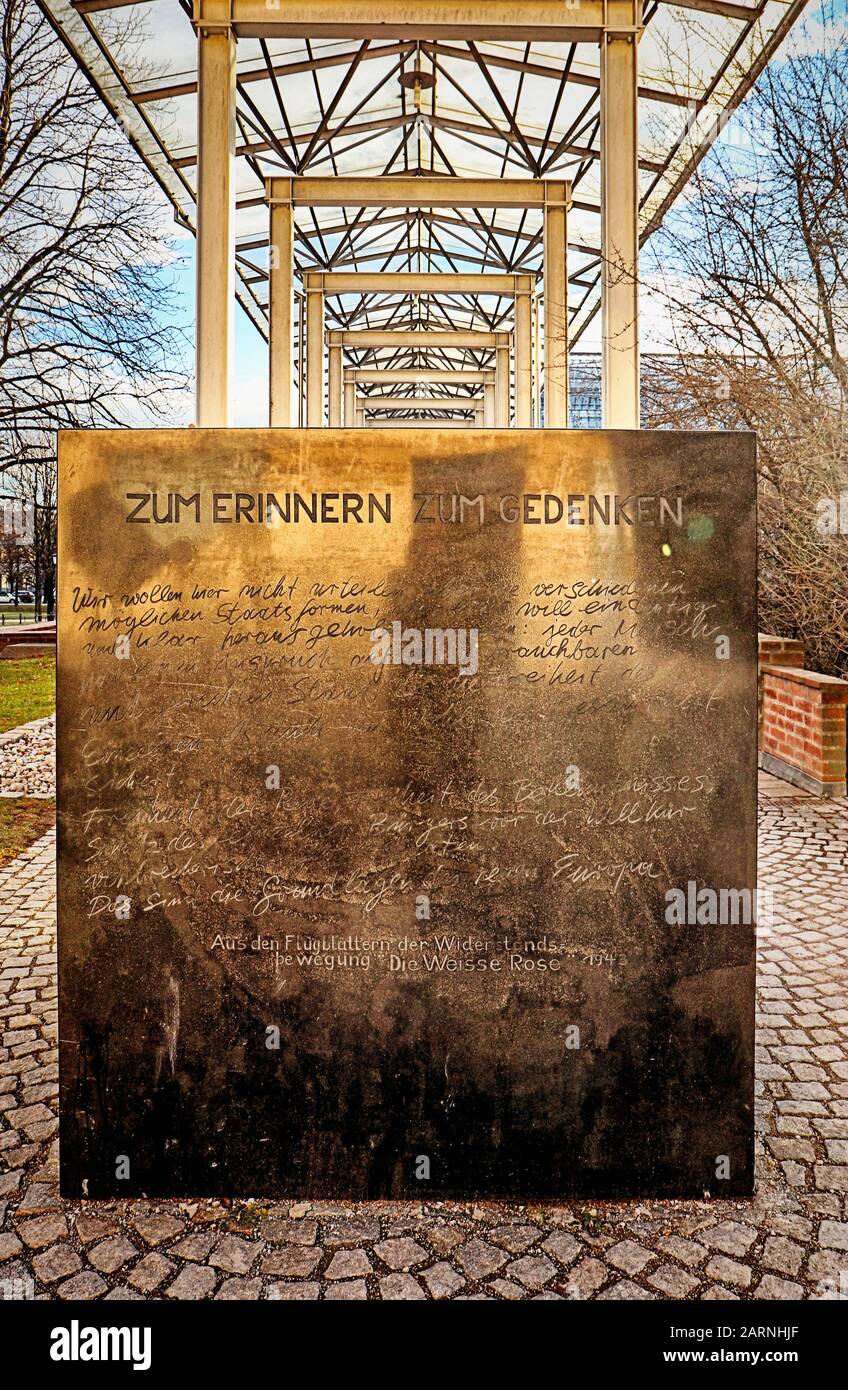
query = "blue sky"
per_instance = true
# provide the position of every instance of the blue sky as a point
(249, 400)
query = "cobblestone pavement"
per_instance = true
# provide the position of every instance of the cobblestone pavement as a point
(790, 1241)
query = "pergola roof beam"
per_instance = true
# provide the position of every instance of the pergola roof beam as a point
(469, 405)
(420, 376)
(415, 338)
(397, 192)
(549, 20)
(246, 11)
(415, 282)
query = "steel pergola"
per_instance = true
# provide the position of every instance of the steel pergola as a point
(389, 100)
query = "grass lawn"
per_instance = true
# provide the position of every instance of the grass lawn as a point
(23, 820)
(27, 690)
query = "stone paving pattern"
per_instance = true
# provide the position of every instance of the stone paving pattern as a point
(790, 1241)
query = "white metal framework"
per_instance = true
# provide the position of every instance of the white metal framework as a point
(552, 197)
(318, 284)
(619, 99)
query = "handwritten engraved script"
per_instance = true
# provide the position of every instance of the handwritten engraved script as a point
(375, 778)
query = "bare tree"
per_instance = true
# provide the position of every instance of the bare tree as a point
(88, 316)
(753, 271)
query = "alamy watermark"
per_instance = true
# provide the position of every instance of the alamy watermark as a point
(725, 907)
(17, 521)
(832, 515)
(17, 1288)
(429, 646)
(78, 1342)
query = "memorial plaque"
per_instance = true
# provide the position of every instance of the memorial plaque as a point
(407, 813)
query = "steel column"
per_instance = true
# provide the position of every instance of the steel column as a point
(280, 319)
(620, 217)
(314, 353)
(350, 404)
(556, 305)
(301, 359)
(502, 379)
(334, 385)
(215, 257)
(523, 360)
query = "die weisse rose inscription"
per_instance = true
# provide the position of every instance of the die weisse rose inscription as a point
(396, 771)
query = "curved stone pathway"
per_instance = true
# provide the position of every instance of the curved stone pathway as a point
(790, 1241)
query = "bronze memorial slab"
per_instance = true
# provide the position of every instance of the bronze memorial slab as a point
(406, 813)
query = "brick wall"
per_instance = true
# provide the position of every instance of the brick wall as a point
(774, 651)
(803, 728)
(779, 651)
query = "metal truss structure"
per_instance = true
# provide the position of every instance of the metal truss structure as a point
(413, 90)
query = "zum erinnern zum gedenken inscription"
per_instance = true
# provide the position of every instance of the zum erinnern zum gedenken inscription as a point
(404, 782)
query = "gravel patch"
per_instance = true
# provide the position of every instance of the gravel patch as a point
(28, 759)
